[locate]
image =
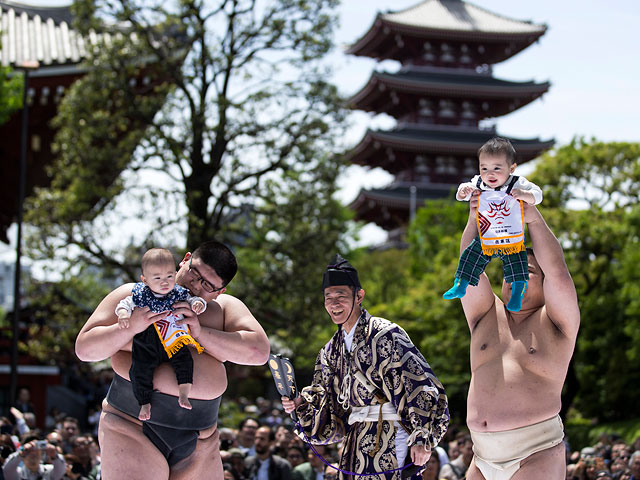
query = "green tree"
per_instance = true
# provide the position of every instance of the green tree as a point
(10, 93)
(58, 311)
(199, 121)
(591, 203)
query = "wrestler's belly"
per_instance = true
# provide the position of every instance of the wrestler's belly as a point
(209, 375)
(503, 396)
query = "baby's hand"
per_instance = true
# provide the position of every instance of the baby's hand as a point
(465, 191)
(520, 194)
(198, 307)
(123, 320)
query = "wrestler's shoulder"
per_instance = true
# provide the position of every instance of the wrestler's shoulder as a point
(124, 290)
(225, 300)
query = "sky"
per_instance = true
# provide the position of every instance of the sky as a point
(589, 54)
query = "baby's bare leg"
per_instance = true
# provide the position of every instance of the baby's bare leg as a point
(183, 399)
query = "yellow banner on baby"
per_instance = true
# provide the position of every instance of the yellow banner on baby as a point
(174, 337)
(500, 220)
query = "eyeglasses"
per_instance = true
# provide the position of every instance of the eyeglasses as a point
(207, 287)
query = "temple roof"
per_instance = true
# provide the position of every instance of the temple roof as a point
(43, 34)
(424, 83)
(447, 20)
(389, 207)
(457, 15)
(434, 140)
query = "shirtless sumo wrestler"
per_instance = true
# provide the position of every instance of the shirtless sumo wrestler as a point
(227, 331)
(519, 362)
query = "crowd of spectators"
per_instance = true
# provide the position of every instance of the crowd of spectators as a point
(244, 452)
(262, 446)
(60, 452)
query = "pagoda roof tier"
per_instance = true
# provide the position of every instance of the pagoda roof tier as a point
(389, 208)
(382, 148)
(401, 35)
(392, 92)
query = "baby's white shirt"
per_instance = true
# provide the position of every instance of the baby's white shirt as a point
(522, 183)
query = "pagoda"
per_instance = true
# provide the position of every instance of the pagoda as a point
(439, 97)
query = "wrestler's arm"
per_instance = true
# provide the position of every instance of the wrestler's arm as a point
(101, 337)
(478, 300)
(561, 300)
(243, 340)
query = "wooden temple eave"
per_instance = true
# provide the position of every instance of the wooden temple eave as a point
(374, 148)
(386, 92)
(380, 82)
(381, 41)
(385, 215)
(389, 208)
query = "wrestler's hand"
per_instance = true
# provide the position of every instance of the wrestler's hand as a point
(190, 318)
(290, 405)
(473, 201)
(531, 213)
(141, 318)
(419, 454)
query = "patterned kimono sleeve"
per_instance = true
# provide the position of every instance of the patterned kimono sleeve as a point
(322, 418)
(413, 388)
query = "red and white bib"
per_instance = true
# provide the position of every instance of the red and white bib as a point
(500, 220)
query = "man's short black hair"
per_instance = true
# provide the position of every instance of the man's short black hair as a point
(219, 257)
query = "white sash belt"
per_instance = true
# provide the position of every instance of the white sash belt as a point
(371, 413)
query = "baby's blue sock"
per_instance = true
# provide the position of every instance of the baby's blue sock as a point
(458, 290)
(517, 292)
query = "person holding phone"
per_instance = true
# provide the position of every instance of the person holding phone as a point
(26, 462)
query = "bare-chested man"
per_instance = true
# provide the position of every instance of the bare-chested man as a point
(519, 361)
(176, 443)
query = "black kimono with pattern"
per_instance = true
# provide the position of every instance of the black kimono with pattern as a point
(383, 365)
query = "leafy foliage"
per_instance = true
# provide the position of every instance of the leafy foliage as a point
(197, 121)
(591, 203)
(10, 93)
(58, 311)
(215, 103)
